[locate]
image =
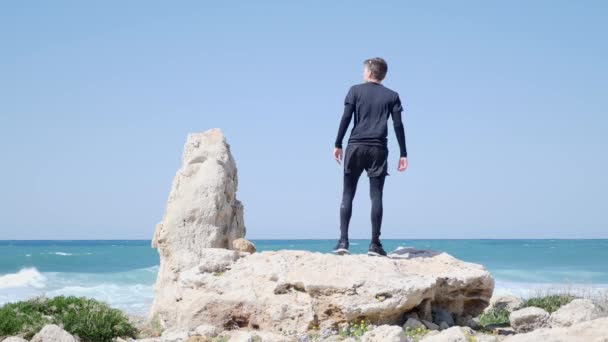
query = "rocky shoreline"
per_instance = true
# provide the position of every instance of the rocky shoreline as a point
(213, 285)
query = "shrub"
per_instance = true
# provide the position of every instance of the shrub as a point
(88, 319)
(549, 303)
(494, 317)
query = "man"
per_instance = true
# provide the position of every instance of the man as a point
(371, 103)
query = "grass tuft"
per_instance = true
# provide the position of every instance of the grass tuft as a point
(88, 319)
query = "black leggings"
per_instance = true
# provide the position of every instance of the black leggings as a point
(376, 186)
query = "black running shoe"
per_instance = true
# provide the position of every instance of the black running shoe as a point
(341, 247)
(375, 249)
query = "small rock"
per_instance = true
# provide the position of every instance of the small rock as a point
(14, 339)
(53, 333)
(243, 245)
(443, 325)
(485, 338)
(528, 319)
(430, 325)
(453, 334)
(471, 322)
(174, 335)
(205, 330)
(578, 310)
(413, 323)
(385, 333)
(508, 302)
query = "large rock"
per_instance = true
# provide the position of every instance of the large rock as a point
(53, 333)
(204, 280)
(578, 310)
(292, 290)
(528, 319)
(590, 331)
(202, 212)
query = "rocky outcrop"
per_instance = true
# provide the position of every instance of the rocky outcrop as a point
(210, 277)
(291, 290)
(578, 310)
(590, 331)
(202, 212)
(53, 333)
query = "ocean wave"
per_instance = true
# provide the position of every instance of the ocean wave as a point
(26, 277)
(67, 254)
(131, 291)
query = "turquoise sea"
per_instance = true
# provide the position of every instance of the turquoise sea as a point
(122, 272)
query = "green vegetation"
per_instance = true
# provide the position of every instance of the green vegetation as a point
(549, 303)
(415, 334)
(354, 329)
(88, 319)
(494, 317)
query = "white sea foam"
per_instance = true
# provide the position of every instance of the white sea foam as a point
(131, 291)
(62, 253)
(26, 277)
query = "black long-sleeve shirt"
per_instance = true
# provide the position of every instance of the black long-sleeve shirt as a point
(371, 103)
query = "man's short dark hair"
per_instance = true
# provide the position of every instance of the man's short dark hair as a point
(377, 66)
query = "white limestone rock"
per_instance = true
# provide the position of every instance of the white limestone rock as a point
(578, 310)
(528, 319)
(14, 339)
(453, 334)
(507, 302)
(290, 290)
(385, 333)
(204, 280)
(53, 333)
(590, 331)
(202, 212)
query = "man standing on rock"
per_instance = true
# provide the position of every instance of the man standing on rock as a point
(371, 103)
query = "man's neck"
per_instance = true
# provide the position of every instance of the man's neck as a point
(373, 81)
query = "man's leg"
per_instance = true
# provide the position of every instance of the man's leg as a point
(376, 187)
(350, 187)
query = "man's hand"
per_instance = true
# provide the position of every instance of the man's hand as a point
(338, 155)
(402, 164)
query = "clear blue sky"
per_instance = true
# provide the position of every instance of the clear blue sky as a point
(505, 113)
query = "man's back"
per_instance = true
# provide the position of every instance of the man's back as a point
(371, 103)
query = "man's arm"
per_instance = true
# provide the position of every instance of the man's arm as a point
(400, 132)
(347, 116)
(398, 125)
(349, 108)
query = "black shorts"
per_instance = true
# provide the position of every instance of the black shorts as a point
(371, 158)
